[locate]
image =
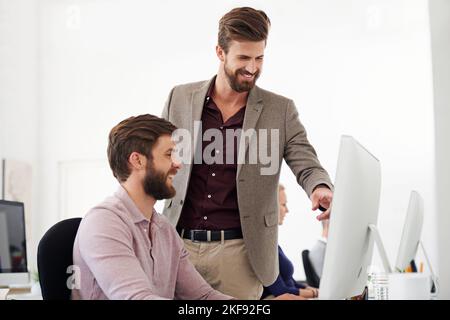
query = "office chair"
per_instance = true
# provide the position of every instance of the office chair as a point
(54, 256)
(311, 276)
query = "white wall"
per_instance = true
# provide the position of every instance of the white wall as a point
(359, 67)
(440, 43)
(19, 92)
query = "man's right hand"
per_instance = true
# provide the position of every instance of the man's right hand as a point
(288, 296)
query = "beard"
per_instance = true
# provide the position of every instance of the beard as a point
(240, 86)
(156, 185)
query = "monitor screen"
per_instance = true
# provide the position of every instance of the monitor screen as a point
(13, 253)
(354, 208)
(412, 230)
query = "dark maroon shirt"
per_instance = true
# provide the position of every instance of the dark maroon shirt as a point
(211, 199)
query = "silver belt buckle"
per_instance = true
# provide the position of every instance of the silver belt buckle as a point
(192, 235)
(208, 235)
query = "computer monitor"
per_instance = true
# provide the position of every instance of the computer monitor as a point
(411, 239)
(412, 230)
(13, 251)
(353, 210)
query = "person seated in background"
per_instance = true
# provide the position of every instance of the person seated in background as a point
(124, 249)
(317, 252)
(285, 283)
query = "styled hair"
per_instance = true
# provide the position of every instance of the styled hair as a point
(243, 23)
(135, 134)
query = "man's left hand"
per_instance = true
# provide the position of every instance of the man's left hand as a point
(322, 196)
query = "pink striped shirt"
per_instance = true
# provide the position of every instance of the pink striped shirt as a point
(122, 255)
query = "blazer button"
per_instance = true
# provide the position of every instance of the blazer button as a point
(181, 201)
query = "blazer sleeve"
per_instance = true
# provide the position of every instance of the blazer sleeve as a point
(300, 154)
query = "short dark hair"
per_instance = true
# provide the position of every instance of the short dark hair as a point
(243, 23)
(135, 134)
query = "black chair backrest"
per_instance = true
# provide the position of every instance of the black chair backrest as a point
(54, 257)
(311, 276)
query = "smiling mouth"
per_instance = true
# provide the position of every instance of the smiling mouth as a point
(248, 76)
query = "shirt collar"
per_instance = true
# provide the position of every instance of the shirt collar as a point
(133, 210)
(211, 104)
(211, 88)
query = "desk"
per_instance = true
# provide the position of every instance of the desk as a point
(30, 293)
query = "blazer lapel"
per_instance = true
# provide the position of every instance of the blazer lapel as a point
(197, 102)
(252, 113)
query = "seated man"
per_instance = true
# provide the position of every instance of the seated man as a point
(285, 282)
(124, 249)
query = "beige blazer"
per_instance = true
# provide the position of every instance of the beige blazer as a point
(257, 194)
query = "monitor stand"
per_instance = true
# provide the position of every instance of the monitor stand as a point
(433, 275)
(376, 234)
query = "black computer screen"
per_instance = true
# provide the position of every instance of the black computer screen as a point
(13, 253)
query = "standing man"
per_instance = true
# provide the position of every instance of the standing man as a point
(227, 211)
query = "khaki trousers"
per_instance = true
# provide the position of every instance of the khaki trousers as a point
(225, 266)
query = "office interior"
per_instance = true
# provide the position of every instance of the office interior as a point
(378, 70)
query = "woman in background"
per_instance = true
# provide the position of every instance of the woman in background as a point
(285, 282)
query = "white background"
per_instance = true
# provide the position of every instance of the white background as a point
(70, 70)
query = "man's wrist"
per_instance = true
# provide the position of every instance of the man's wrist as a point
(321, 185)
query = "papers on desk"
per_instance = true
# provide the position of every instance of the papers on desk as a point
(24, 296)
(3, 293)
(25, 292)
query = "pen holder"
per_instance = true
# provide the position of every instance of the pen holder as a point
(409, 286)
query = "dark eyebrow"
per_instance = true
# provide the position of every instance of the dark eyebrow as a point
(247, 57)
